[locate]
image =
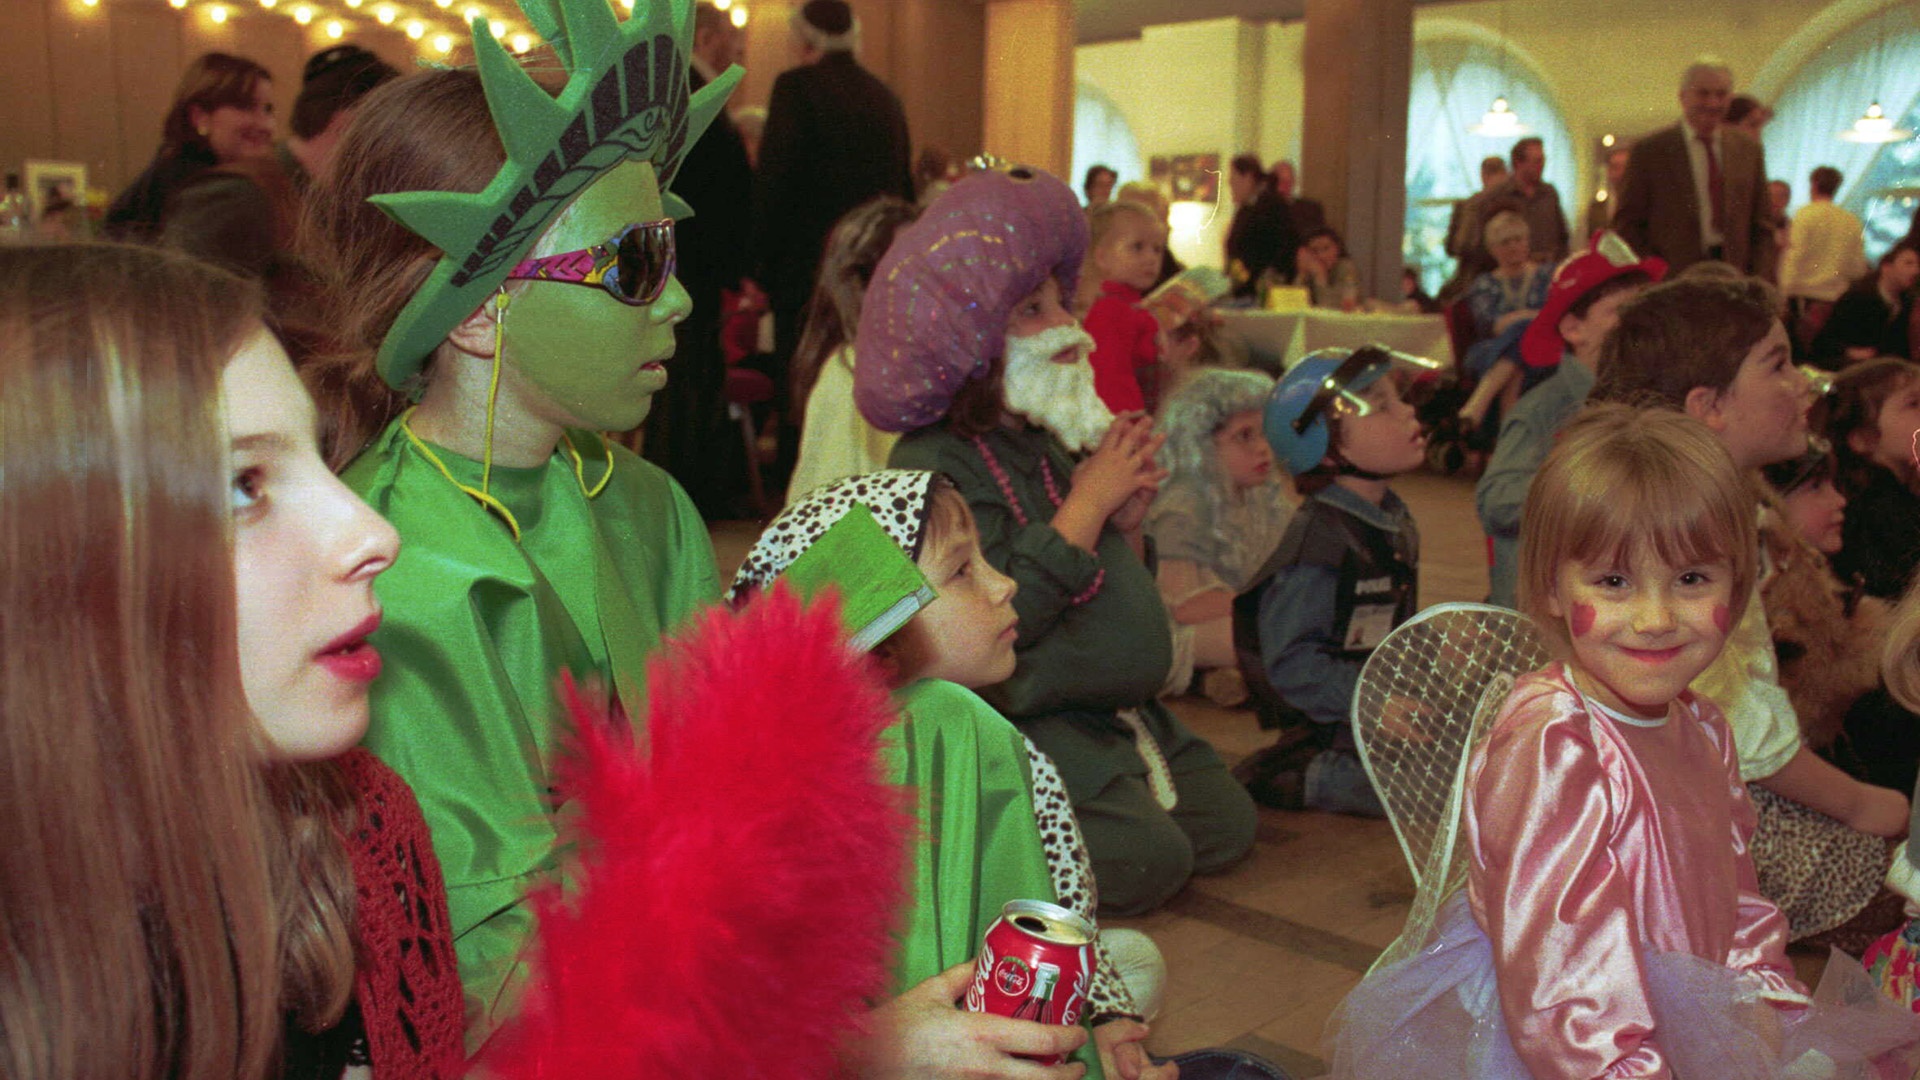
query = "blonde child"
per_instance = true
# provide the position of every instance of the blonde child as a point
(994, 813)
(1123, 261)
(835, 441)
(1715, 350)
(1612, 924)
(1219, 515)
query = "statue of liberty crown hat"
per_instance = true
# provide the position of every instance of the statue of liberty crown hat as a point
(1607, 257)
(936, 312)
(625, 98)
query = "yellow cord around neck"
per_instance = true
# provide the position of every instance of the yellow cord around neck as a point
(483, 494)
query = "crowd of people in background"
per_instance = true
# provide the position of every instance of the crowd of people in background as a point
(373, 387)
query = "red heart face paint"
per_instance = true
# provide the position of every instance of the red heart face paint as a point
(1580, 619)
(1643, 631)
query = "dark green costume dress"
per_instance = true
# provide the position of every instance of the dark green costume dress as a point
(478, 629)
(1094, 640)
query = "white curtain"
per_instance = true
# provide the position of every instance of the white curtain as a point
(1454, 82)
(1101, 136)
(1875, 59)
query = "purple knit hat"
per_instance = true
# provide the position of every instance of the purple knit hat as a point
(936, 313)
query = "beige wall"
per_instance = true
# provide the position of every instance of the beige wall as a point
(92, 84)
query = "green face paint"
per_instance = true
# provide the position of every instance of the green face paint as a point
(597, 361)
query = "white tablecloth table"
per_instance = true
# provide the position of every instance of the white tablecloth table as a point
(1284, 337)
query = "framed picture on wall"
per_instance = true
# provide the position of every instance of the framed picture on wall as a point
(55, 184)
(1186, 177)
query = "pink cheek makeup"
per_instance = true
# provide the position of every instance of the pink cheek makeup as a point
(1580, 619)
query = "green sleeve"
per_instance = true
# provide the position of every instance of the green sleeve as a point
(979, 844)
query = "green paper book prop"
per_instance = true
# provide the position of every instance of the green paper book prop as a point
(625, 98)
(880, 587)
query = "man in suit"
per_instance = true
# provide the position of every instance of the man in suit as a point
(714, 253)
(1698, 190)
(1307, 214)
(836, 136)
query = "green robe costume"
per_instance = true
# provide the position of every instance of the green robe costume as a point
(478, 628)
(974, 799)
(1094, 639)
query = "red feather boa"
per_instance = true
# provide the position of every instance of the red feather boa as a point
(740, 875)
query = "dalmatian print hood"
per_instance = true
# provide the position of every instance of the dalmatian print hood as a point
(897, 498)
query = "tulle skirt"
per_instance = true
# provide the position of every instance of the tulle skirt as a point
(1437, 1013)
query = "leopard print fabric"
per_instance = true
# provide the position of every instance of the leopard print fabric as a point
(1072, 872)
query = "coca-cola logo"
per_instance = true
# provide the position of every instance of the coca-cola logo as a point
(1013, 976)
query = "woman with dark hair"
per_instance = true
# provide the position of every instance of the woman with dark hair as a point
(1870, 319)
(222, 112)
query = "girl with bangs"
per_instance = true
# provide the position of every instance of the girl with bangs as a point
(1612, 923)
(202, 877)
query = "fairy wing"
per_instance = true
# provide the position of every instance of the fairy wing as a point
(1426, 694)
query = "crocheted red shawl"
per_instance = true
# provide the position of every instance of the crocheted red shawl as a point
(407, 981)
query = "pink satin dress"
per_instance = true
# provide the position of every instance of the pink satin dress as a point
(1611, 925)
(1595, 839)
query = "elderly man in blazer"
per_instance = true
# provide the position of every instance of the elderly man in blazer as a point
(1698, 190)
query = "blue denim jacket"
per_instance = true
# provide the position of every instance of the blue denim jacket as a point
(1303, 659)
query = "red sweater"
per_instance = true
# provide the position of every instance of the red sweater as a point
(1126, 356)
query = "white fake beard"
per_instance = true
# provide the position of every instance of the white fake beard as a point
(1058, 397)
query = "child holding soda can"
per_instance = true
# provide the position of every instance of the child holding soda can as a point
(996, 825)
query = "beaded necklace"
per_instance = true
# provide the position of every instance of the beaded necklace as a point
(1005, 483)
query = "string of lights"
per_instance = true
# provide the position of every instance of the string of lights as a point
(434, 24)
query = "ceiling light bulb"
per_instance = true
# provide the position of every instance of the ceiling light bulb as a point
(177, 3)
(1606, 140)
(303, 14)
(739, 17)
(355, 3)
(334, 29)
(469, 13)
(385, 14)
(218, 13)
(442, 43)
(521, 43)
(416, 29)
(497, 27)
(723, 4)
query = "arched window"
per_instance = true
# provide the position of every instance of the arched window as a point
(1101, 136)
(1876, 57)
(1455, 80)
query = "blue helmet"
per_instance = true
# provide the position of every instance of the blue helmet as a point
(1296, 413)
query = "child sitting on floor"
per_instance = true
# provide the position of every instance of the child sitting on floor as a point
(1715, 350)
(1581, 306)
(1345, 573)
(964, 638)
(1611, 923)
(1216, 519)
(834, 440)
(1875, 412)
(965, 346)
(1123, 262)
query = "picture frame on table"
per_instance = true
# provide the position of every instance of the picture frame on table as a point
(55, 184)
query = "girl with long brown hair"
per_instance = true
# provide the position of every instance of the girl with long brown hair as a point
(192, 866)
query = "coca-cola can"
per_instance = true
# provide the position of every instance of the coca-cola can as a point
(1035, 964)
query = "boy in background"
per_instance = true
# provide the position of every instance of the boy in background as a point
(1582, 305)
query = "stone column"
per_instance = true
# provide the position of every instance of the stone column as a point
(1359, 61)
(1028, 106)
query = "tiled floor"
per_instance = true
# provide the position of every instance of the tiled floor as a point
(1258, 957)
